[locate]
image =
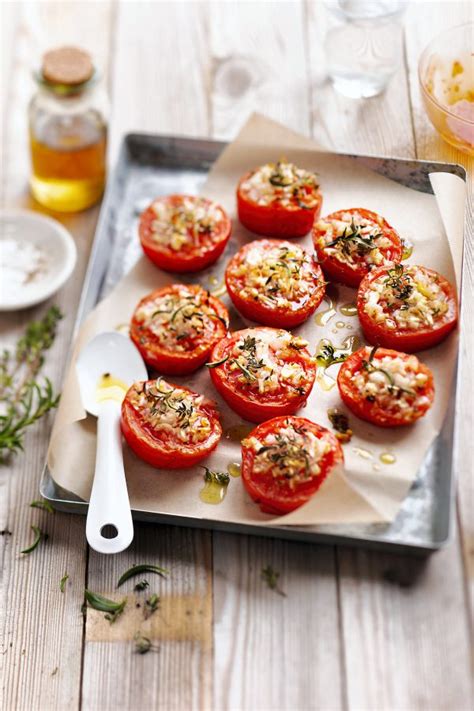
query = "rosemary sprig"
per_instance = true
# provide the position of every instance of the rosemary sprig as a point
(42, 504)
(39, 536)
(103, 604)
(139, 569)
(270, 576)
(63, 581)
(22, 398)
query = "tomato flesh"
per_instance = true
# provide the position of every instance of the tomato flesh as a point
(259, 307)
(163, 448)
(273, 491)
(386, 413)
(353, 271)
(406, 339)
(190, 347)
(197, 251)
(243, 395)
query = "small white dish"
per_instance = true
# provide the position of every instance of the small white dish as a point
(23, 235)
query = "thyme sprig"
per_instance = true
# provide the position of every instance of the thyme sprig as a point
(393, 388)
(352, 236)
(23, 399)
(399, 282)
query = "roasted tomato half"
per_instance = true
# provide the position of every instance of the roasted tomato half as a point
(386, 387)
(349, 243)
(279, 200)
(263, 372)
(274, 282)
(169, 426)
(285, 460)
(176, 327)
(408, 308)
(184, 233)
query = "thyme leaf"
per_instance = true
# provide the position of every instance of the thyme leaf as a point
(142, 644)
(151, 605)
(102, 604)
(270, 576)
(214, 476)
(139, 569)
(39, 535)
(62, 582)
(142, 585)
(42, 504)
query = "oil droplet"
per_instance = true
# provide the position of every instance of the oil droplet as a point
(213, 280)
(213, 492)
(349, 309)
(238, 432)
(407, 248)
(363, 453)
(387, 458)
(350, 344)
(234, 469)
(333, 330)
(110, 388)
(340, 324)
(220, 291)
(349, 327)
(123, 328)
(325, 381)
(322, 318)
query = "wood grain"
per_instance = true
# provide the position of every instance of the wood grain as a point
(389, 603)
(42, 628)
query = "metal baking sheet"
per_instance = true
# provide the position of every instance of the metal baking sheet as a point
(151, 165)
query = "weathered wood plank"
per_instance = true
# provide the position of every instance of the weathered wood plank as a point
(271, 652)
(429, 144)
(158, 85)
(396, 640)
(42, 628)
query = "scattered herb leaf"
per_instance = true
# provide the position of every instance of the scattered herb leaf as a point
(340, 423)
(62, 582)
(142, 585)
(327, 356)
(142, 644)
(221, 478)
(103, 604)
(270, 576)
(39, 535)
(139, 569)
(42, 504)
(151, 605)
(216, 363)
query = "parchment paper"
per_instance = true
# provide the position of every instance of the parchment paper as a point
(367, 490)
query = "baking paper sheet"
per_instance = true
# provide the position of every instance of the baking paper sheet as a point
(367, 490)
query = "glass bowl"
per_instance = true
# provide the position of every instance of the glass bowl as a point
(446, 75)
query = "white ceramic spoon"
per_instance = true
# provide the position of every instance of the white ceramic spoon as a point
(109, 505)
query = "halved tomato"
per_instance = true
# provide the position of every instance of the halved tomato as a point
(184, 233)
(279, 200)
(176, 327)
(263, 372)
(386, 387)
(274, 282)
(349, 243)
(285, 460)
(168, 425)
(408, 308)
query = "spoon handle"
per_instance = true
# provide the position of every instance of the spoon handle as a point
(109, 503)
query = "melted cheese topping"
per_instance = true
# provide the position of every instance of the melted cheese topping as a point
(169, 409)
(184, 224)
(393, 383)
(257, 358)
(177, 318)
(354, 239)
(291, 455)
(281, 276)
(411, 296)
(282, 183)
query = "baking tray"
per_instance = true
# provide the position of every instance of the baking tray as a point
(151, 165)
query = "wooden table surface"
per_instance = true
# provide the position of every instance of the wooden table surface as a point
(357, 630)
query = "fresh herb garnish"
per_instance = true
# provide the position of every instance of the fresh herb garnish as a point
(151, 605)
(288, 456)
(39, 536)
(111, 607)
(352, 236)
(24, 399)
(42, 504)
(270, 576)
(249, 347)
(327, 356)
(139, 569)
(62, 582)
(400, 282)
(216, 477)
(142, 644)
(216, 363)
(393, 388)
(142, 585)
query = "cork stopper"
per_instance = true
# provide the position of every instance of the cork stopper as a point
(67, 65)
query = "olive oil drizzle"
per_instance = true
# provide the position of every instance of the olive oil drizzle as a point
(215, 487)
(348, 309)
(325, 346)
(322, 318)
(110, 388)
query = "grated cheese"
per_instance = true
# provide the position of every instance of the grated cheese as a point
(282, 183)
(183, 225)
